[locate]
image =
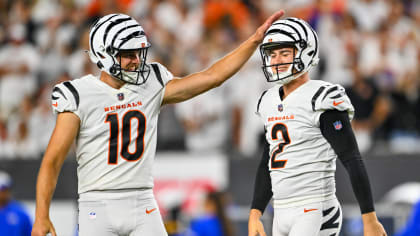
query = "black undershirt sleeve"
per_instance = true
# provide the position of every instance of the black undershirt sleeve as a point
(262, 185)
(336, 128)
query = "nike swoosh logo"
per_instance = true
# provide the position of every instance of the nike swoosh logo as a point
(308, 210)
(55, 104)
(337, 103)
(150, 211)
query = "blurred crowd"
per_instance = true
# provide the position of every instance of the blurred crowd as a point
(372, 47)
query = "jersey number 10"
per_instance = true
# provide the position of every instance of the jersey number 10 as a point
(114, 123)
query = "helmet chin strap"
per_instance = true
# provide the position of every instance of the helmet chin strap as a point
(129, 76)
(284, 74)
(290, 78)
(285, 81)
(134, 76)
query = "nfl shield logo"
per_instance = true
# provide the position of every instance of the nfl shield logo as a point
(120, 96)
(280, 107)
(92, 215)
(338, 125)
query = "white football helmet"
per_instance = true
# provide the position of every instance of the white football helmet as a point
(115, 33)
(290, 32)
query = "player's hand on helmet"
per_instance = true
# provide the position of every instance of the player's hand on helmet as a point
(42, 228)
(255, 226)
(259, 34)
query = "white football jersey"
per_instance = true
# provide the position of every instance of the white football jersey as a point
(302, 162)
(116, 144)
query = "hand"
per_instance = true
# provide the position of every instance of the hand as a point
(259, 34)
(374, 229)
(42, 227)
(255, 226)
(371, 225)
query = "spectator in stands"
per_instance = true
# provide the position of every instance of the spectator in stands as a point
(341, 35)
(206, 121)
(214, 220)
(404, 122)
(104, 7)
(369, 14)
(371, 108)
(219, 13)
(5, 144)
(14, 220)
(42, 121)
(18, 65)
(78, 64)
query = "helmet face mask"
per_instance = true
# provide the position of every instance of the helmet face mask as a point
(126, 73)
(113, 37)
(289, 33)
(271, 71)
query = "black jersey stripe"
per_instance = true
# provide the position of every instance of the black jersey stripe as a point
(96, 29)
(112, 24)
(331, 223)
(74, 92)
(315, 97)
(259, 100)
(57, 89)
(329, 91)
(120, 31)
(157, 73)
(281, 93)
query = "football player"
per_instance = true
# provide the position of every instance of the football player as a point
(113, 118)
(307, 126)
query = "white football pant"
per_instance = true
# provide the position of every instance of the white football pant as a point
(120, 213)
(313, 219)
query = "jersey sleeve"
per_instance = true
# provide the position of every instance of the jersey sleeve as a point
(165, 74)
(331, 97)
(259, 103)
(64, 98)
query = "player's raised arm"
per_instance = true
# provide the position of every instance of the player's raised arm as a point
(178, 90)
(66, 129)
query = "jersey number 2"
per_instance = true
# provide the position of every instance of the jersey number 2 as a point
(126, 136)
(279, 127)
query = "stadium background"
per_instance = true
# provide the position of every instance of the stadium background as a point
(372, 47)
